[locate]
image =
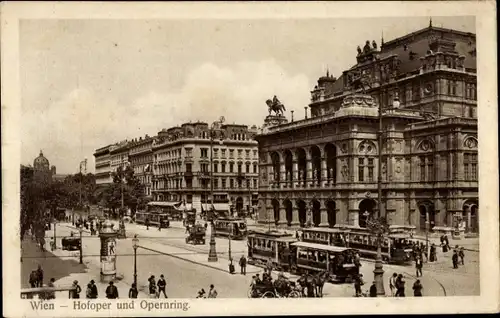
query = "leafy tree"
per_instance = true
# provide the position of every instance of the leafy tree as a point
(125, 180)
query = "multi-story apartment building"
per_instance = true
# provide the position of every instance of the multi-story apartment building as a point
(325, 168)
(103, 166)
(119, 155)
(141, 160)
(181, 166)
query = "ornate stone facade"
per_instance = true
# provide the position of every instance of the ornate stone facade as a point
(325, 168)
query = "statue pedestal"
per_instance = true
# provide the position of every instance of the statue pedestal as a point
(274, 120)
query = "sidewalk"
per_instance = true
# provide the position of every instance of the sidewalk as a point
(83, 273)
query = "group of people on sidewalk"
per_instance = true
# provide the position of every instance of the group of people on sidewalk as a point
(156, 288)
(397, 286)
(92, 291)
(212, 293)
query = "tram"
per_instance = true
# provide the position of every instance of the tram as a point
(265, 245)
(154, 218)
(396, 247)
(234, 227)
(338, 262)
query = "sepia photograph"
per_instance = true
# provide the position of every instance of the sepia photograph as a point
(166, 160)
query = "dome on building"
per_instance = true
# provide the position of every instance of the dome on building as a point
(41, 163)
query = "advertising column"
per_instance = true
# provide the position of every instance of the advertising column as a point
(108, 252)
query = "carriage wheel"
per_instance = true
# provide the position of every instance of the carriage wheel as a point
(294, 294)
(269, 294)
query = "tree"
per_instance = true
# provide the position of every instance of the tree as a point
(125, 180)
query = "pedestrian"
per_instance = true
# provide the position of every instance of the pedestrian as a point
(373, 290)
(269, 266)
(152, 286)
(243, 265)
(358, 282)
(212, 293)
(392, 284)
(33, 279)
(461, 254)
(39, 273)
(75, 291)
(133, 292)
(159, 225)
(257, 279)
(433, 256)
(93, 290)
(447, 242)
(111, 291)
(51, 294)
(400, 286)
(201, 294)
(454, 259)
(147, 223)
(357, 259)
(162, 284)
(417, 288)
(88, 292)
(418, 266)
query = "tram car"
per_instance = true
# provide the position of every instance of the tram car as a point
(265, 245)
(396, 247)
(154, 218)
(234, 227)
(338, 262)
(71, 243)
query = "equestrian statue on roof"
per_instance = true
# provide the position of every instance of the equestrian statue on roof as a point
(275, 106)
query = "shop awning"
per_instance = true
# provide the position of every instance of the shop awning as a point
(217, 207)
(162, 203)
(185, 206)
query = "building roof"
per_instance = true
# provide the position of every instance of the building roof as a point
(40, 162)
(322, 247)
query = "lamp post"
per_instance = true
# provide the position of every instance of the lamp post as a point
(135, 241)
(55, 244)
(212, 254)
(84, 163)
(378, 272)
(81, 244)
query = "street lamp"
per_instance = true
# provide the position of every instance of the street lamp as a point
(55, 244)
(212, 254)
(81, 244)
(135, 241)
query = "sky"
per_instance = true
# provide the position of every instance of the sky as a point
(89, 83)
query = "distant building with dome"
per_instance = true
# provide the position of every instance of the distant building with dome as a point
(43, 171)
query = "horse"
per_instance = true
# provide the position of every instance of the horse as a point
(320, 280)
(275, 106)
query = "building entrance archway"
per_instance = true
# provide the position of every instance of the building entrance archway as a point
(289, 212)
(316, 212)
(366, 210)
(470, 216)
(276, 211)
(426, 210)
(331, 213)
(239, 205)
(301, 205)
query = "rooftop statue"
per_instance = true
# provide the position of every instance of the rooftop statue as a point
(275, 106)
(367, 48)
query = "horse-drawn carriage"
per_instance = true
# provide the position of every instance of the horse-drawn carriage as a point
(196, 234)
(280, 288)
(71, 243)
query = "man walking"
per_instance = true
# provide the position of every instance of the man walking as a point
(152, 286)
(418, 266)
(454, 259)
(212, 293)
(133, 292)
(417, 288)
(39, 273)
(93, 290)
(392, 284)
(162, 284)
(243, 265)
(461, 254)
(111, 291)
(75, 292)
(269, 266)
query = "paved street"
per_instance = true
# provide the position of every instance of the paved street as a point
(187, 269)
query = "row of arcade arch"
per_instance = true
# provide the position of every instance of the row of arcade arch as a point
(296, 163)
(366, 208)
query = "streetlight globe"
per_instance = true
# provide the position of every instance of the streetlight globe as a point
(135, 241)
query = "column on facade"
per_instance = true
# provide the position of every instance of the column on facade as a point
(324, 216)
(282, 221)
(283, 173)
(270, 211)
(468, 215)
(353, 217)
(324, 172)
(308, 167)
(295, 173)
